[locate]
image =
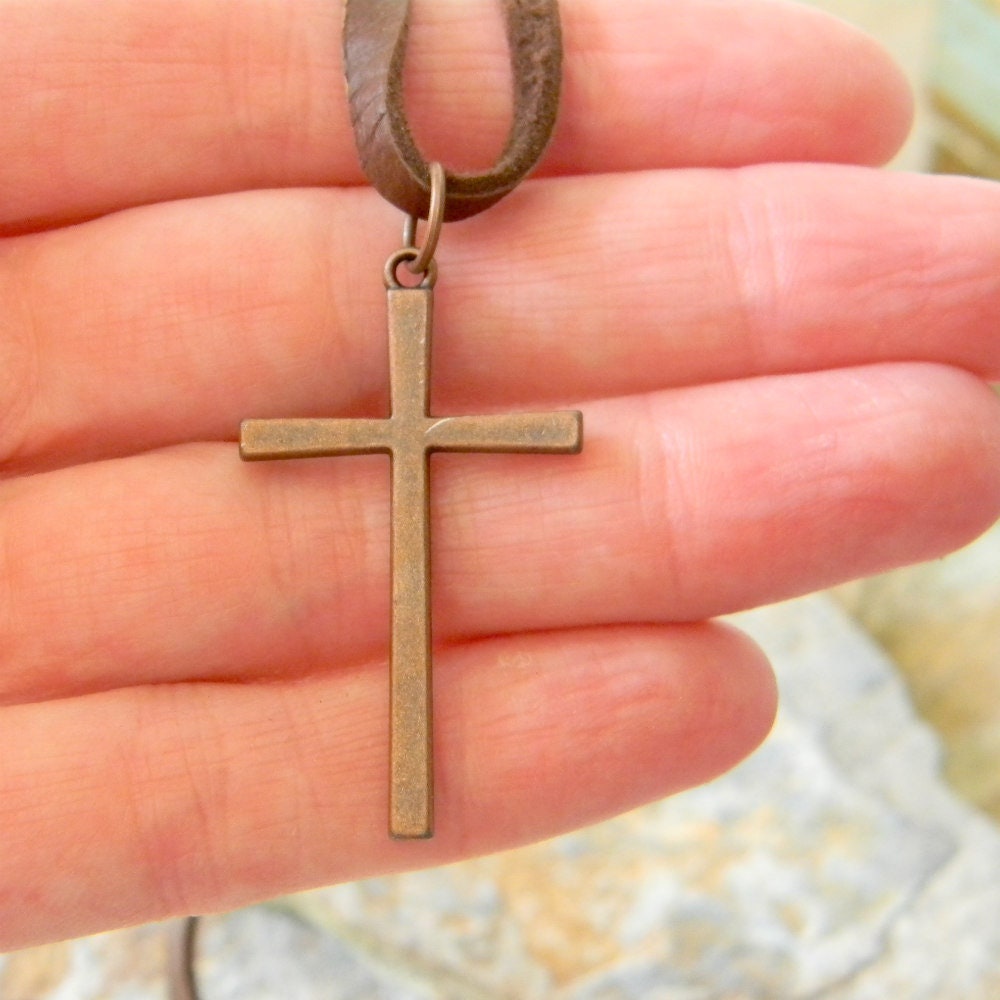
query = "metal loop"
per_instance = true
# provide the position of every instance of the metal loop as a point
(408, 254)
(435, 218)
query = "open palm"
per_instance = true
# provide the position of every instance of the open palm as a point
(781, 355)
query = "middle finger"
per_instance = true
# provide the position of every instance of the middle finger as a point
(184, 564)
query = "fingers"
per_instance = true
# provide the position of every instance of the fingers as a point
(165, 99)
(190, 798)
(203, 313)
(185, 564)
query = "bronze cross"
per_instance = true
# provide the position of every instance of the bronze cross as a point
(408, 436)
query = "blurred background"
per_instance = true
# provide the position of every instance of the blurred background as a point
(856, 856)
(941, 623)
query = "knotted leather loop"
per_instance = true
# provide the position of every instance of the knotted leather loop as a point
(375, 34)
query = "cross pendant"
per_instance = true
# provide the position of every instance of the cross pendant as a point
(408, 436)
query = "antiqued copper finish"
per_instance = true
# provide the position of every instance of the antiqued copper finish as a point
(409, 435)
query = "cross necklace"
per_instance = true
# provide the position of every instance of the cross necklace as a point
(375, 33)
(374, 36)
(408, 436)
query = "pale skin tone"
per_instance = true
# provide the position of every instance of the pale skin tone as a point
(782, 356)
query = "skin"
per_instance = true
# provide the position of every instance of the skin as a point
(782, 356)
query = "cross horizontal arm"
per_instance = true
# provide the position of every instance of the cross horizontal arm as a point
(538, 433)
(266, 440)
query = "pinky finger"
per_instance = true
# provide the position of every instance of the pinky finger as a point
(189, 798)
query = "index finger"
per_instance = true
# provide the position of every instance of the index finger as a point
(133, 101)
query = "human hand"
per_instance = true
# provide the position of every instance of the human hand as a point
(781, 366)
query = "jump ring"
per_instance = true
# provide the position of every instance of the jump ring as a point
(409, 255)
(435, 219)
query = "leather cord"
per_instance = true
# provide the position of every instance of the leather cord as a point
(181, 942)
(375, 35)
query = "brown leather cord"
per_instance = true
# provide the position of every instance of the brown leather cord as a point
(375, 34)
(181, 944)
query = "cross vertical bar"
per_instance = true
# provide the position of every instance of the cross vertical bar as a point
(410, 712)
(410, 760)
(410, 317)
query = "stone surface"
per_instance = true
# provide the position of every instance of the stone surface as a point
(834, 864)
(941, 624)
